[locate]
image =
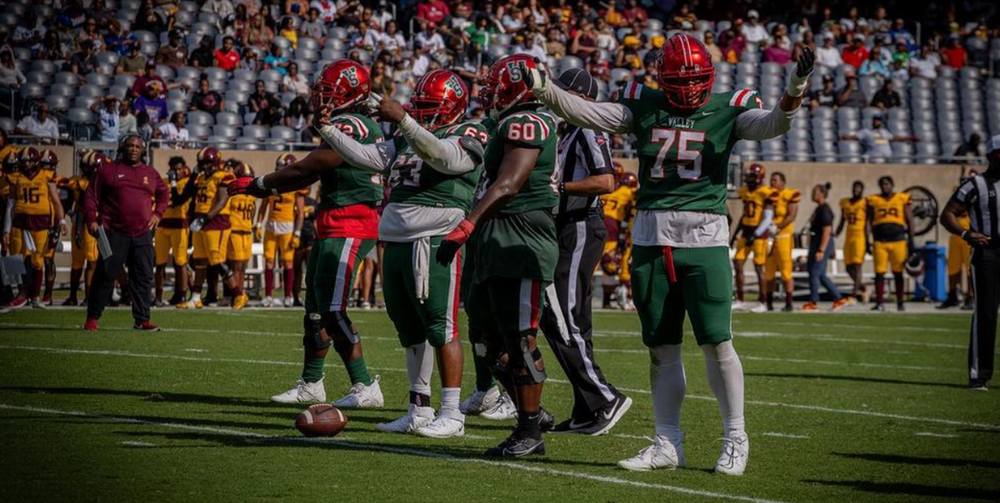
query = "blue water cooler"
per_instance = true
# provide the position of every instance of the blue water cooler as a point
(935, 279)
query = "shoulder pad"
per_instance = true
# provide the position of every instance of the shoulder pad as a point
(473, 146)
(746, 98)
(630, 91)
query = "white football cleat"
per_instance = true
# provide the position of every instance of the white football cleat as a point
(735, 454)
(303, 392)
(289, 302)
(276, 303)
(267, 302)
(502, 410)
(362, 397)
(739, 305)
(664, 454)
(759, 308)
(479, 401)
(444, 426)
(415, 418)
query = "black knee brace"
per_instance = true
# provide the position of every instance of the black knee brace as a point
(522, 361)
(494, 353)
(341, 330)
(314, 336)
(223, 270)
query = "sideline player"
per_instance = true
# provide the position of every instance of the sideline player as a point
(854, 217)
(435, 165)
(84, 248)
(786, 209)
(33, 226)
(281, 217)
(889, 217)
(239, 248)
(346, 228)
(752, 233)
(618, 210)
(171, 236)
(49, 164)
(681, 261)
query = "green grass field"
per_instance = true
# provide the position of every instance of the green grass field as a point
(841, 408)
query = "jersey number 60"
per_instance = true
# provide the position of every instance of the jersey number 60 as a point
(688, 161)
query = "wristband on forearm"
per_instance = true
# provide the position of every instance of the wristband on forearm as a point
(259, 183)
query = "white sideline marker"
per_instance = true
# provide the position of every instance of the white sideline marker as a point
(400, 450)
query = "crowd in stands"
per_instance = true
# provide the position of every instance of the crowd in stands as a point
(403, 40)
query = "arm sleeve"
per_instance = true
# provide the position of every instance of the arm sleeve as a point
(757, 124)
(765, 222)
(374, 156)
(444, 155)
(608, 117)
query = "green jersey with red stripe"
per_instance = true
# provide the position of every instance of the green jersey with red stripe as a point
(413, 182)
(684, 159)
(348, 185)
(531, 129)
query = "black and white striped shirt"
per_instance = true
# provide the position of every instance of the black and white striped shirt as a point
(979, 195)
(582, 153)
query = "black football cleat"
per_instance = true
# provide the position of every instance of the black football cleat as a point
(572, 425)
(517, 445)
(950, 302)
(547, 421)
(878, 307)
(978, 385)
(788, 308)
(900, 307)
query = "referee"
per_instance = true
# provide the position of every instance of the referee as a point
(587, 172)
(978, 196)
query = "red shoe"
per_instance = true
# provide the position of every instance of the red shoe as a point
(146, 326)
(843, 302)
(809, 306)
(91, 325)
(17, 303)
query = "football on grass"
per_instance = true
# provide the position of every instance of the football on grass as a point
(321, 420)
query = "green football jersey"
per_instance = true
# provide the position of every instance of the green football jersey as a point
(684, 159)
(526, 129)
(349, 185)
(413, 182)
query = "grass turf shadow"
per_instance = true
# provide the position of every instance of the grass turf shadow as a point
(818, 377)
(921, 490)
(913, 460)
(158, 396)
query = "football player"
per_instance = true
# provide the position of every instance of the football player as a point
(786, 209)
(434, 165)
(239, 247)
(283, 215)
(624, 288)
(171, 236)
(889, 217)
(305, 247)
(681, 263)
(346, 226)
(752, 232)
(9, 157)
(50, 166)
(854, 217)
(36, 222)
(84, 248)
(516, 249)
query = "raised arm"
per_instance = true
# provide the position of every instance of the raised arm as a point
(767, 124)
(298, 175)
(611, 118)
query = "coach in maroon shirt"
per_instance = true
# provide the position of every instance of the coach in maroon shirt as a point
(126, 198)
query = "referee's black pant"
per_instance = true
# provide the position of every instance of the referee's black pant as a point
(982, 339)
(567, 322)
(137, 254)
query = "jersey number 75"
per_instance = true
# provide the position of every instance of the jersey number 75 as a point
(688, 161)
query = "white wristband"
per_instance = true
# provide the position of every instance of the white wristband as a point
(797, 85)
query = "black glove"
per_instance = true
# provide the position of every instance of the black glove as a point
(529, 76)
(749, 239)
(805, 65)
(54, 237)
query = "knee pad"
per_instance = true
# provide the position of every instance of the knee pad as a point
(341, 330)
(314, 332)
(522, 361)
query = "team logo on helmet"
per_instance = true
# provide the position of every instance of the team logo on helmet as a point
(504, 87)
(284, 160)
(439, 99)
(685, 73)
(755, 175)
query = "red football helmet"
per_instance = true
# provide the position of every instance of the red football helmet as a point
(243, 170)
(504, 87)
(29, 160)
(209, 159)
(343, 84)
(630, 180)
(611, 262)
(439, 100)
(755, 175)
(284, 160)
(49, 159)
(685, 73)
(10, 162)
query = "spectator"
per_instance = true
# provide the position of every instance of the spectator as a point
(51, 48)
(288, 31)
(175, 53)
(628, 54)
(734, 42)
(313, 27)
(585, 41)
(886, 97)
(853, 23)
(222, 8)
(598, 67)
(29, 32)
(327, 10)
(227, 57)
(754, 32)
(83, 62)
(779, 50)
(204, 55)
(554, 44)
(133, 62)
(294, 82)
(513, 20)
(902, 54)
(147, 18)
(634, 12)
(39, 124)
(152, 102)
(855, 54)
(299, 119)
(898, 32)
(205, 99)
(434, 11)
(900, 72)
(258, 34)
(382, 83)
(850, 95)
(11, 76)
(266, 107)
(828, 55)
(824, 97)
(522, 46)
(878, 139)
(713, 49)
(143, 128)
(149, 74)
(276, 60)
(366, 38)
(127, 122)
(108, 114)
(90, 33)
(250, 61)
(173, 132)
(875, 67)
(926, 64)
(684, 15)
(296, 8)
(237, 27)
(394, 41)
(969, 151)
(954, 54)
(429, 40)
(119, 40)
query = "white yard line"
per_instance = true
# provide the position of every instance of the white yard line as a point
(402, 450)
(749, 334)
(935, 435)
(137, 444)
(783, 435)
